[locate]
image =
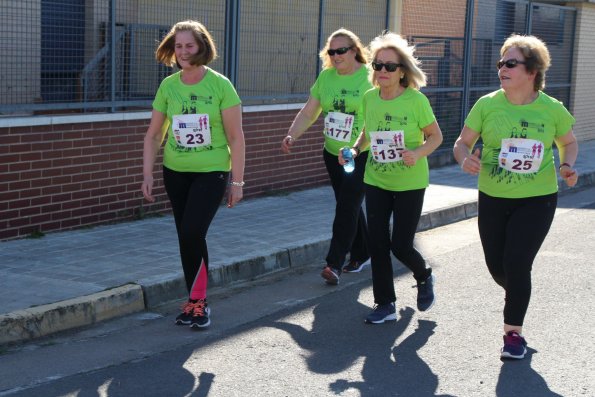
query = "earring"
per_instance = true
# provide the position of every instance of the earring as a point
(401, 76)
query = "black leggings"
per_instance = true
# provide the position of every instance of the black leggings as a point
(511, 232)
(195, 198)
(350, 232)
(405, 208)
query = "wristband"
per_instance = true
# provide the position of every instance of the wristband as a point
(357, 151)
(240, 184)
(564, 164)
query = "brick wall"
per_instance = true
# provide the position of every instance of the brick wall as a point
(68, 173)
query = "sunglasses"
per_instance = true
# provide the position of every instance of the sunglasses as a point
(390, 67)
(338, 51)
(510, 64)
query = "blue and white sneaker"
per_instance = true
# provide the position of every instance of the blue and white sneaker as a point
(515, 346)
(355, 266)
(382, 313)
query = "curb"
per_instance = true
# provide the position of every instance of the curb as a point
(43, 320)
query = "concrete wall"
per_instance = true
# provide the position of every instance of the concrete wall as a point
(583, 100)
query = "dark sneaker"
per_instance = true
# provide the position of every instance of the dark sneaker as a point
(331, 275)
(382, 313)
(185, 317)
(515, 346)
(425, 294)
(200, 315)
(355, 266)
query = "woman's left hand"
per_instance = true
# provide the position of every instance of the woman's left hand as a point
(569, 175)
(409, 157)
(235, 195)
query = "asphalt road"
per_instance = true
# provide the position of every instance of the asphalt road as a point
(291, 335)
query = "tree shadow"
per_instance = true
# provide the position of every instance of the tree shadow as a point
(517, 378)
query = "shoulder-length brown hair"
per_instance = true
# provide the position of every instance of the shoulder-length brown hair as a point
(207, 51)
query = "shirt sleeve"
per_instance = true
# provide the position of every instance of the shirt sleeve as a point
(474, 119)
(160, 101)
(230, 97)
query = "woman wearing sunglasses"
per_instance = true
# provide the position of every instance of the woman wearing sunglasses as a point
(337, 93)
(518, 125)
(400, 131)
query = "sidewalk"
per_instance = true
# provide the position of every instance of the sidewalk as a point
(75, 278)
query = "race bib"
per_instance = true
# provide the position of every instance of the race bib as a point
(386, 146)
(192, 130)
(338, 126)
(519, 155)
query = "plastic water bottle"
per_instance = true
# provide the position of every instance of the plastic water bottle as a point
(349, 166)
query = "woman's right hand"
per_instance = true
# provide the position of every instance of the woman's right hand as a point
(340, 156)
(472, 163)
(147, 189)
(286, 144)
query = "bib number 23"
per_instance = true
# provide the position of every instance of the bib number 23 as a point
(192, 130)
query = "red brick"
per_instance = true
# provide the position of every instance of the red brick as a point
(20, 166)
(30, 193)
(39, 201)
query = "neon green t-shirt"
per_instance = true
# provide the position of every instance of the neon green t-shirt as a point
(533, 172)
(391, 125)
(196, 140)
(340, 98)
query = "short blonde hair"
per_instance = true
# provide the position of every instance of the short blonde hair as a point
(207, 52)
(361, 53)
(413, 76)
(537, 56)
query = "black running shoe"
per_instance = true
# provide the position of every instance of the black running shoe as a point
(425, 294)
(200, 315)
(185, 317)
(355, 266)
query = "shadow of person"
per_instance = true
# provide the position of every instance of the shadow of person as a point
(402, 372)
(338, 336)
(517, 378)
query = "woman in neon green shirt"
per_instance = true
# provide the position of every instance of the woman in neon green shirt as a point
(401, 131)
(200, 112)
(518, 186)
(338, 93)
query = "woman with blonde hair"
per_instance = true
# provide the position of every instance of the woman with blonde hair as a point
(518, 186)
(400, 131)
(201, 114)
(337, 93)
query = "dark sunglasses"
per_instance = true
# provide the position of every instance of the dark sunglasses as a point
(339, 51)
(390, 67)
(510, 64)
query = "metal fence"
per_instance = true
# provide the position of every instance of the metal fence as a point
(98, 55)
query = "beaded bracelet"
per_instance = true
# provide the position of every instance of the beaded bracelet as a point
(240, 184)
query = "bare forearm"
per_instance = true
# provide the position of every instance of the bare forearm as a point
(237, 148)
(300, 124)
(568, 153)
(150, 149)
